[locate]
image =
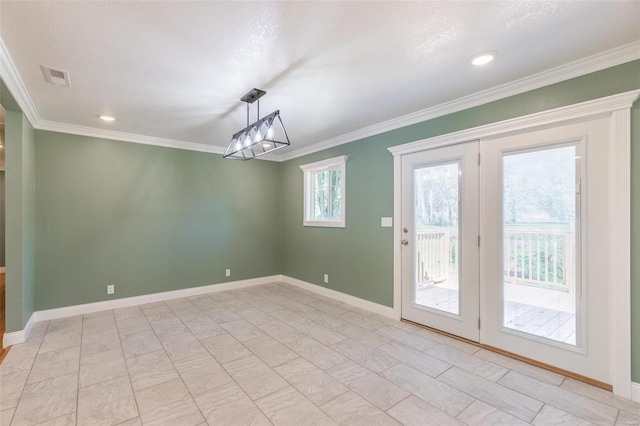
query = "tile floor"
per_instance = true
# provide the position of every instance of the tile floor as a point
(275, 354)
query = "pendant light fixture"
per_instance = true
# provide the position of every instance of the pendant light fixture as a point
(262, 137)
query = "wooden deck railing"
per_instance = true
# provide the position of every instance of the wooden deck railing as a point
(539, 256)
(531, 255)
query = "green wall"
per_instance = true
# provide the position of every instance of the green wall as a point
(20, 217)
(148, 219)
(359, 258)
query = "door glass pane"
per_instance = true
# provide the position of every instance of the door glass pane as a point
(436, 220)
(539, 243)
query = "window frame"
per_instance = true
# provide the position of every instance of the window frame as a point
(336, 163)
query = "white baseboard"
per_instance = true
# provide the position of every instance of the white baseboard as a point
(124, 302)
(17, 337)
(379, 309)
(635, 392)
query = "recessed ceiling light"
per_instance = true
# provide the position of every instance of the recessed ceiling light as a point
(483, 58)
(107, 118)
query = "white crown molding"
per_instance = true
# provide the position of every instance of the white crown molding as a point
(12, 79)
(600, 61)
(581, 111)
(597, 62)
(73, 129)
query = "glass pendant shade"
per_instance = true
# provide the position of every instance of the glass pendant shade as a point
(262, 137)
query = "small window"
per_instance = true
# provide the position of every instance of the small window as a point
(324, 194)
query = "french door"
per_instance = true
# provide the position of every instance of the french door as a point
(440, 239)
(514, 253)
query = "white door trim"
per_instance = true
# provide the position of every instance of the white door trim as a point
(618, 109)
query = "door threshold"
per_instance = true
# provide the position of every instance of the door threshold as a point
(551, 368)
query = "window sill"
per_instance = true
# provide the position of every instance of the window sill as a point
(326, 224)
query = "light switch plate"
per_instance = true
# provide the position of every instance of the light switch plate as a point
(386, 222)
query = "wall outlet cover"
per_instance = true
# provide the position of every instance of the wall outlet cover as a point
(326, 278)
(227, 273)
(386, 222)
(111, 289)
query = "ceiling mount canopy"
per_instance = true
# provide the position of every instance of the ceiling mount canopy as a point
(262, 137)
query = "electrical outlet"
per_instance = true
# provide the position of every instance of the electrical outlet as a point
(227, 273)
(386, 222)
(111, 289)
(326, 278)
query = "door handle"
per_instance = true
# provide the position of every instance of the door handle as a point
(405, 242)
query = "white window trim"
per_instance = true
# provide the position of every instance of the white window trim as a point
(331, 163)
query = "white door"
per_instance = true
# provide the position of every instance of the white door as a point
(545, 252)
(440, 281)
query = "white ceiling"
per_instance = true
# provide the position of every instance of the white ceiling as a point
(176, 70)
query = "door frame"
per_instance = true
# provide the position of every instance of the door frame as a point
(618, 109)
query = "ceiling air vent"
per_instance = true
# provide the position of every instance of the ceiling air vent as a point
(57, 77)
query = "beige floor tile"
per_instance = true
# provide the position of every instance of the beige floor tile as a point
(351, 409)
(132, 325)
(95, 325)
(309, 380)
(133, 422)
(99, 315)
(229, 405)
(325, 320)
(11, 385)
(203, 328)
(94, 342)
(627, 419)
(414, 411)
(570, 402)
(322, 356)
(364, 336)
(202, 373)
(375, 389)
(370, 358)
(47, 400)
(292, 305)
(140, 343)
(54, 364)
(106, 403)
(289, 317)
(551, 416)
(410, 339)
(327, 308)
(180, 303)
(150, 369)
(6, 416)
(169, 327)
(442, 396)
(128, 312)
(522, 367)
(288, 407)
(242, 330)
(415, 358)
(514, 403)
(320, 333)
(473, 364)
(189, 313)
(66, 420)
(67, 323)
(270, 351)
(222, 315)
(183, 345)
(482, 414)
(225, 348)
(280, 331)
(101, 366)
(19, 358)
(255, 377)
(64, 338)
(446, 340)
(601, 395)
(168, 404)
